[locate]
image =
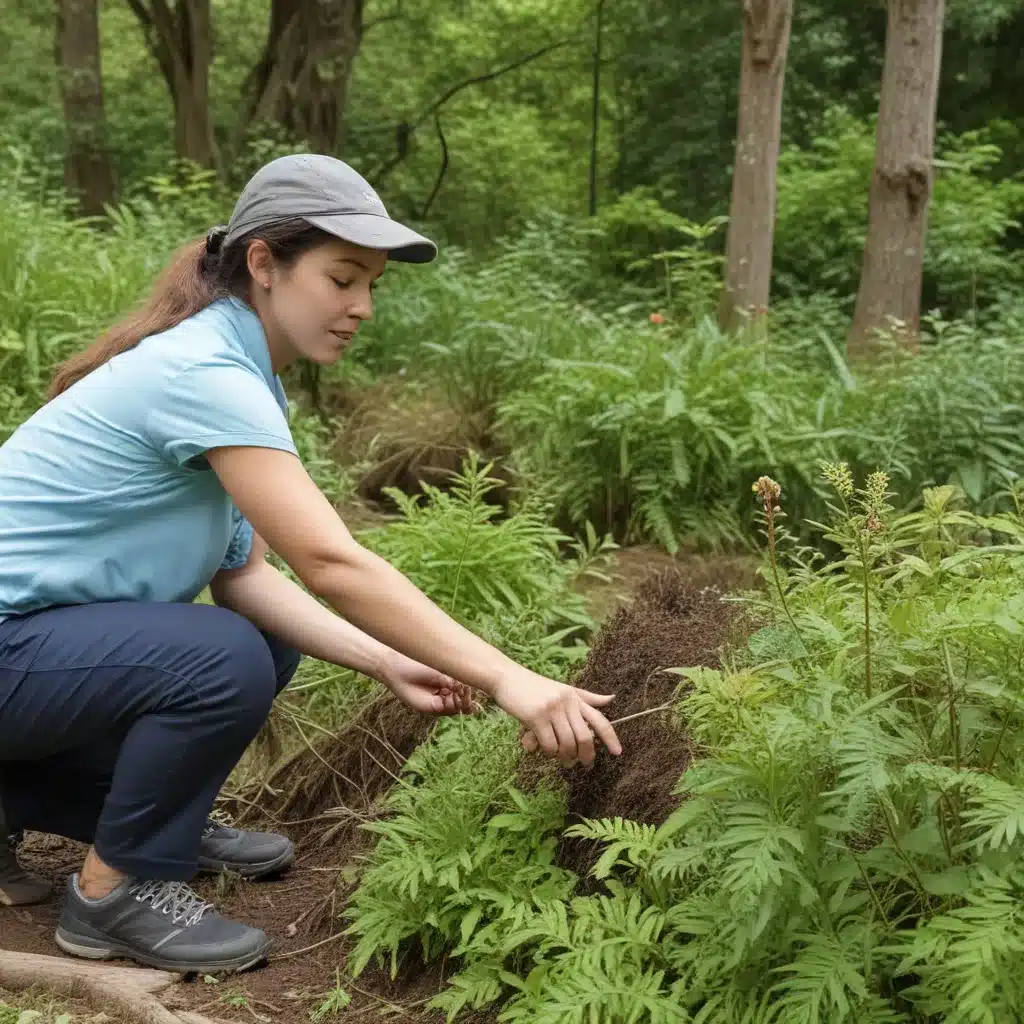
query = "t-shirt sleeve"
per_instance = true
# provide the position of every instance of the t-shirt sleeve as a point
(241, 542)
(212, 404)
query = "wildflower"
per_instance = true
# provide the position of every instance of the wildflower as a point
(768, 491)
(875, 492)
(657, 318)
(875, 489)
(839, 476)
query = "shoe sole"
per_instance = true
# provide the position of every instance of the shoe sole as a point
(87, 948)
(250, 872)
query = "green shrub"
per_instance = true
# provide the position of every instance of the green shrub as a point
(463, 849)
(848, 843)
(646, 431)
(823, 214)
(503, 576)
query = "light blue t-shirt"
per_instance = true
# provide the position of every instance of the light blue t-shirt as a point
(105, 494)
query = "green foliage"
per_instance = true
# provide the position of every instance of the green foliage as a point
(464, 850)
(32, 1006)
(823, 206)
(503, 576)
(643, 431)
(848, 845)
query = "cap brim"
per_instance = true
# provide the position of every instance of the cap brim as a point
(374, 232)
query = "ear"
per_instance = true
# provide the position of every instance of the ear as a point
(260, 261)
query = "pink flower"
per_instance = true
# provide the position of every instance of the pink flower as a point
(657, 318)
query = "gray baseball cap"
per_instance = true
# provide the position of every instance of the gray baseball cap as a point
(330, 195)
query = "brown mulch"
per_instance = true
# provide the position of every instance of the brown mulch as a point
(404, 438)
(676, 618)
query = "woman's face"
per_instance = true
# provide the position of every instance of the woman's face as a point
(314, 307)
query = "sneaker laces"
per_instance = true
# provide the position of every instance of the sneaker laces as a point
(184, 905)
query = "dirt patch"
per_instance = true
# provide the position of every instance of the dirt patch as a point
(631, 566)
(677, 618)
(308, 950)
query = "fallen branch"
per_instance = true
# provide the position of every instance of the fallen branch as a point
(132, 989)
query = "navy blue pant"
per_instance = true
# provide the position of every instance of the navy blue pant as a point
(120, 722)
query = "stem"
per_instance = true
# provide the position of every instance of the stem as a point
(1006, 722)
(882, 915)
(915, 877)
(775, 575)
(954, 727)
(943, 827)
(867, 614)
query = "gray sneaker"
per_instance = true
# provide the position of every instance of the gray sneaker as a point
(18, 888)
(160, 924)
(251, 854)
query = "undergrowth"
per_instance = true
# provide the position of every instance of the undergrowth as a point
(846, 849)
(506, 576)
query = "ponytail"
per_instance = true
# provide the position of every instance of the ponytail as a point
(198, 273)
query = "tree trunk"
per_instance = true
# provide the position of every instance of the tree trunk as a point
(87, 171)
(303, 76)
(181, 40)
(901, 187)
(748, 272)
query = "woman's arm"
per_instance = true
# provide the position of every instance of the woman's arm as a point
(275, 493)
(273, 603)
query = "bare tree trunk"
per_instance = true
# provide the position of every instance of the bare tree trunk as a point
(595, 114)
(893, 267)
(748, 272)
(181, 40)
(303, 76)
(87, 171)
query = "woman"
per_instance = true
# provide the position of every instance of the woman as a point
(162, 464)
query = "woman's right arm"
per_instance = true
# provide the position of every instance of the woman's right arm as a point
(276, 494)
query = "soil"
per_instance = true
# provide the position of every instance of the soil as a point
(675, 617)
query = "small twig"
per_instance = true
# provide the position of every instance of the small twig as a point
(316, 753)
(379, 999)
(311, 910)
(306, 949)
(385, 768)
(383, 742)
(640, 714)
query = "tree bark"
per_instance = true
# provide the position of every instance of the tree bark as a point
(181, 40)
(748, 271)
(87, 170)
(302, 79)
(901, 187)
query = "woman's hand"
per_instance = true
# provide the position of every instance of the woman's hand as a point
(425, 689)
(559, 719)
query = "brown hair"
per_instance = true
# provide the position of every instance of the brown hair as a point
(197, 274)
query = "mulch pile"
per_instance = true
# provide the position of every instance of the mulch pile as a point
(676, 620)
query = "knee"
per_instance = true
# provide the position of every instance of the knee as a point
(286, 660)
(243, 674)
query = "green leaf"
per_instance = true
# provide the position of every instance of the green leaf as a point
(675, 402)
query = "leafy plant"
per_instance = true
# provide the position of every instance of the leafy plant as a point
(503, 576)
(463, 849)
